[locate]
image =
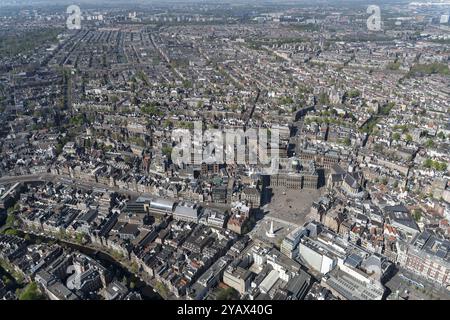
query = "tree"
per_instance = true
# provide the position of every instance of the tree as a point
(167, 123)
(323, 98)
(88, 143)
(428, 163)
(186, 125)
(417, 215)
(117, 255)
(187, 84)
(428, 69)
(393, 66)
(378, 148)
(114, 99)
(134, 267)
(62, 233)
(11, 232)
(10, 220)
(286, 100)
(354, 93)
(436, 165)
(151, 109)
(409, 138)
(396, 136)
(13, 209)
(167, 151)
(77, 120)
(347, 142)
(429, 143)
(7, 281)
(80, 237)
(31, 292)
(227, 294)
(441, 166)
(161, 289)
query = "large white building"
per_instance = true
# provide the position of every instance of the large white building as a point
(317, 256)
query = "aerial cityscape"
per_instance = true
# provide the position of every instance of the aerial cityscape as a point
(225, 150)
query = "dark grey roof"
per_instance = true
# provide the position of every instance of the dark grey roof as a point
(88, 216)
(396, 208)
(336, 177)
(337, 168)
(299, 285)
(353, 260)
(129, 229)
(351, 181)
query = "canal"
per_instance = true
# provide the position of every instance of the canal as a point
(119, 272)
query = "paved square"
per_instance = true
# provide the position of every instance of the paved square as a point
(292, 206)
